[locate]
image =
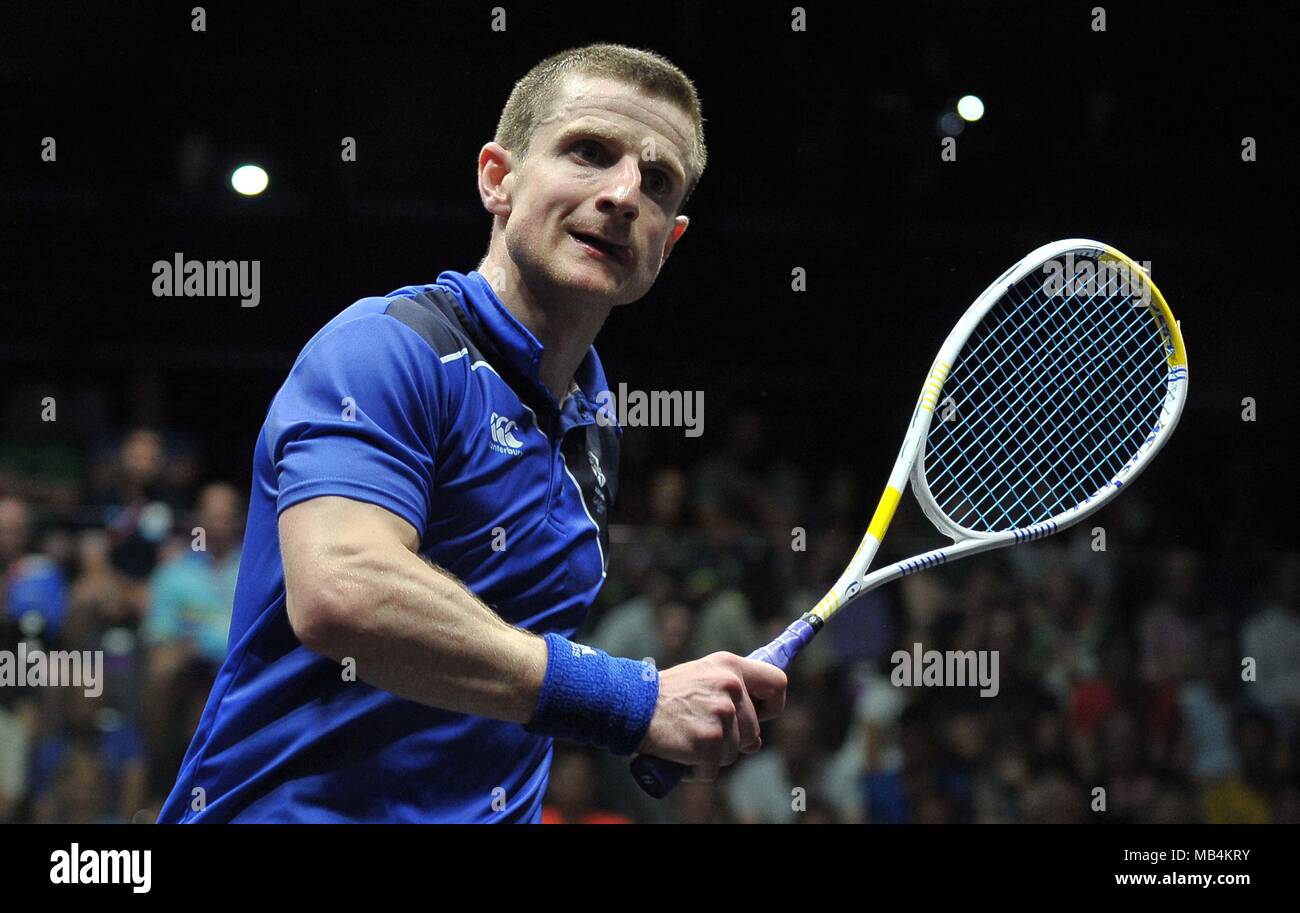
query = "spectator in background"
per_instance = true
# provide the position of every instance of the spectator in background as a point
(677, 619)
(1208, 702)
(19, 718)
(1172, 803)
(1054, 798)
(35, 591)
(871, 747)
(890, 792)
(761, 789)
(668, 528)
(1124, 772)
(1272, 639)
(79, 792)
(88, 743)
(1066, 627)
(1264, 761)
(98, 598)
(1168, 633)
(744, 488)
(1118, 688)
(571, 793)
(632, 627)
(192, 596)
(137, 506)
(1211, 703)
(179, 711)
(15, 745)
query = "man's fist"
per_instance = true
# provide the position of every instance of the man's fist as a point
(709, 710)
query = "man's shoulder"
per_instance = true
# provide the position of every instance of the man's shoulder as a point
(428, 311)
(431, 312)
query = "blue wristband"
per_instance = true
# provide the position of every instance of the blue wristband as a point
(590, 696)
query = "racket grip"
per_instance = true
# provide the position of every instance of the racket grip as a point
(659, 777)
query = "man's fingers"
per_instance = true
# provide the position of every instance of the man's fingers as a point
(766, 685)
(747, 720)
(733, 735)
(771, 708)
(763, 680)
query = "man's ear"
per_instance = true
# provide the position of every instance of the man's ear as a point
(679, 229)
(496, 166)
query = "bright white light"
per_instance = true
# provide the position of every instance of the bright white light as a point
(970, 108)
(250, 180)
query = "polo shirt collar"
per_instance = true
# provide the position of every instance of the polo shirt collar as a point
(515, 342)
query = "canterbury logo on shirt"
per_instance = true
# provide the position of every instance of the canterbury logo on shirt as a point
(503, 438)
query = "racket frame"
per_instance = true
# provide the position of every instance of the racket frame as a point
(855, 581)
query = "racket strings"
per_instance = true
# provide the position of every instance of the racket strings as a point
(1019, 407)
(1016, 393)
(1015, 408)
(1051, 473)
(1050, 398)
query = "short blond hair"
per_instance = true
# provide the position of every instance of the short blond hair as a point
(534, 97)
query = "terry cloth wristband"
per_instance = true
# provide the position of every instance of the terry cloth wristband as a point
(590, 696)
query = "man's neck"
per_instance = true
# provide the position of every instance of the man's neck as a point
(565, 331)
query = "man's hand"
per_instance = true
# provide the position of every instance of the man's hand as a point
(709, 710)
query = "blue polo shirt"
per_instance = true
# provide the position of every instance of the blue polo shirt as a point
(426, 402)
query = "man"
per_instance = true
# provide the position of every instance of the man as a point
(441, 487)
(192, 595)
(33, 590)
(191, 600)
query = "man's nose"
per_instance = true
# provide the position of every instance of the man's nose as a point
(622, 192)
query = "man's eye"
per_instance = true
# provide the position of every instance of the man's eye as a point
(657, 182)
(587, 149)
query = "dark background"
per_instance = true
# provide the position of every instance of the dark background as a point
(824, 151)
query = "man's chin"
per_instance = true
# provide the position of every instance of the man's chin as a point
(595, 287)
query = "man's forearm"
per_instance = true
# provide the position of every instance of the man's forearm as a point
(414, 630)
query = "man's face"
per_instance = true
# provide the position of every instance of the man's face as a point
(608, 165)
(218, 512)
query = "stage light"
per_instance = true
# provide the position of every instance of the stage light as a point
(250, 180)
(970, 108)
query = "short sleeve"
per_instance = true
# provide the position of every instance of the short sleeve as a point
(358, 417)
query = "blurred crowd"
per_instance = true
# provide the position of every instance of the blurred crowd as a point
(132, 558)
(1140, 679)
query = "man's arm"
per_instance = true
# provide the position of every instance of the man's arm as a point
(356, 587)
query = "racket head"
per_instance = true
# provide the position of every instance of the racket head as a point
(1055, 390)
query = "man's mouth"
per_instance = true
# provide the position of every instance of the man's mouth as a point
(618, 252)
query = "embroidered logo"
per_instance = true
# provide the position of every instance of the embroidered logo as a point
(503, 437)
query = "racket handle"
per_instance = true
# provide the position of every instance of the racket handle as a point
(659, 777)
